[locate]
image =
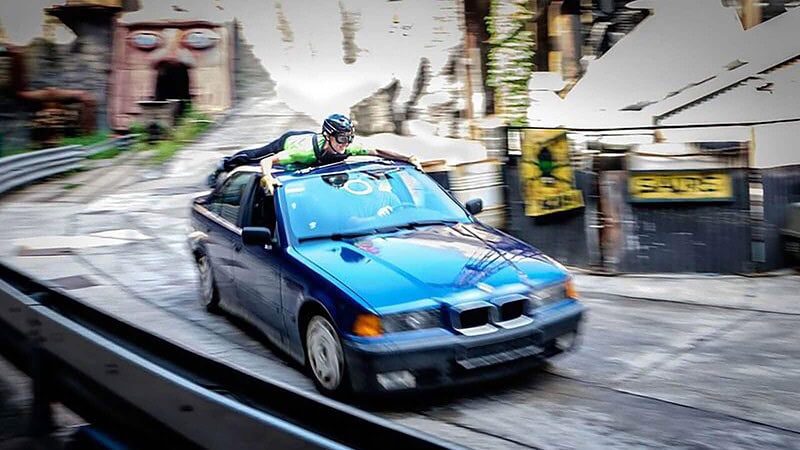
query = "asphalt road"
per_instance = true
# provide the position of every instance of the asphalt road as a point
(669, 362)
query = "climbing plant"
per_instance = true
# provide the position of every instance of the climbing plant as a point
(510, 58)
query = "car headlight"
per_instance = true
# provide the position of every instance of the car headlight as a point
(417, 320)
(552, 294)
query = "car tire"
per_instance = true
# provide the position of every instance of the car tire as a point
(792, 251)
(209, 295)
(325, 356)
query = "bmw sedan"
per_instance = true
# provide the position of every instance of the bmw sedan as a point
(376, 279)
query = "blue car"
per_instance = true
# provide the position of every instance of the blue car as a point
(377, 280)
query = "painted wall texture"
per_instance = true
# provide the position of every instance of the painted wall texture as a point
(172, 60)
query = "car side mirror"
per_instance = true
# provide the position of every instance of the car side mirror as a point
(256, 236)
(474, 206)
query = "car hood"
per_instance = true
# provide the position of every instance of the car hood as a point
(443, 263)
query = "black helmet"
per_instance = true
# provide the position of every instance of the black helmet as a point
(336, 124)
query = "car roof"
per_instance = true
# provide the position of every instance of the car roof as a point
(351, 164)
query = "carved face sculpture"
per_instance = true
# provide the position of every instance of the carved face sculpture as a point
(190, 46)
(162, 61)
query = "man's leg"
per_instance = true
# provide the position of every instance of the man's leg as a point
(242, 157)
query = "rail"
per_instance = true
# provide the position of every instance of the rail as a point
(20, 170)
(147, 391)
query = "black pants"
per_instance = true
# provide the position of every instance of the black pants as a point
(252, 155)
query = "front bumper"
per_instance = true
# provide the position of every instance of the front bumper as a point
(455, 359)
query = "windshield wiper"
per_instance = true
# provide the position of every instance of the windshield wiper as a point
(354, 234)
(424, 223)
(336, 236)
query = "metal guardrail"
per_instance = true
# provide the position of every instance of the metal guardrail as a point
(26, 168)
(122, 142)
(149, 392)
(19, 170)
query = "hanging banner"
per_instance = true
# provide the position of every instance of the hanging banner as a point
(680, 186)
(548, 184)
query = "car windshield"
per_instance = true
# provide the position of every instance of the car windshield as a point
(364, 202)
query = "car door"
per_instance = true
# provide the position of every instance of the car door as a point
(224, 233)
(258, 272)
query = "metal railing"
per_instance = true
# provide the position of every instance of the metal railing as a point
(122, 143)
(20, 170)
(148, 392)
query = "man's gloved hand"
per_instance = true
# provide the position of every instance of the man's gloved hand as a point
(415, 162)
(268, 182)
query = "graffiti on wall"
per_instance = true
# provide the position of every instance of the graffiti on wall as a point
(670, 186)
(548, 182)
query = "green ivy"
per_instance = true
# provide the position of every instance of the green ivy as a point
(186, 130)
(510, 58)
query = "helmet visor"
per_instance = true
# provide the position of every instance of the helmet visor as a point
(344, 138)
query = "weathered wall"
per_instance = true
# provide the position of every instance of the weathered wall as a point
(13, 132)
(12, 116)
(84, 64)
(679, 236)
(564, 236)
(781, 187)
(81, 65)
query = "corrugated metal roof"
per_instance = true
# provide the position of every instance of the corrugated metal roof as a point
(686, 53)
(758, 97)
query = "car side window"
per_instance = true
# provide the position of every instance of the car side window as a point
(263, 212)
(227, 201)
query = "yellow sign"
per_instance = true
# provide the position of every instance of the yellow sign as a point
(546, 173)
(680, 186)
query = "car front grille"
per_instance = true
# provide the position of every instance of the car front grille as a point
(483, 317)
(475, 317)
(513, 309)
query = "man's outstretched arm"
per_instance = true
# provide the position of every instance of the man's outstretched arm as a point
(268, 182)
(411, 159)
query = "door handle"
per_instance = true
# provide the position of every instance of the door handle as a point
(237, 247)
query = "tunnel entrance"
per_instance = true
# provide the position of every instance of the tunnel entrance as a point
(172, 83)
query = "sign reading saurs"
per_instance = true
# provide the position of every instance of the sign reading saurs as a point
(691, 185)
(546, 173)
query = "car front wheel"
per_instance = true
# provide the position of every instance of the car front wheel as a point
(325, 356)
